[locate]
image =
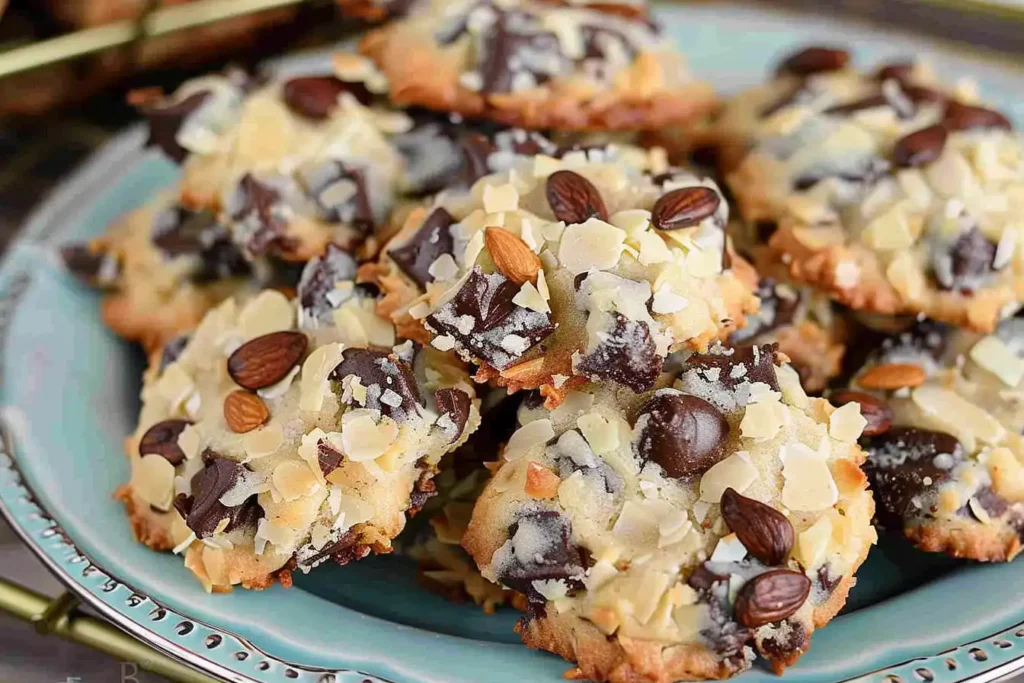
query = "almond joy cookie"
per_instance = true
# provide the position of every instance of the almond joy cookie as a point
(291, 164)
(537, 65)
(901, 202)
(284, 434)
(564, 270)
(669, 535)
(162, 267)
(945, 416)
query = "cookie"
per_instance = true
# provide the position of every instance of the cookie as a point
(804, 326)
(537, 65)
(290, 164)
(671, 534)
(285, 433)
(588, 266)
(162, 267)
(945, 417)
(899, 199)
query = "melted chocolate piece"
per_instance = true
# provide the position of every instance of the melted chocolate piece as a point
(203, 510)
(93, 267)
(500, 331)
(328, 458)
(905, 463)
(776, 312)
(162, 439)
(814, 60)
(254, 202)
(726, 637)
(178, 231)
(757, 362)
(684, 434)
(556, 558)
(165, 120)
(866, 172)
(317, 292)
(173, 349)
(455, 404)
(626, 355)
(432, 240)
(321, 184)
(960, 116)
(316, 97)
(920, 147)
(972, 257)
(390, 383)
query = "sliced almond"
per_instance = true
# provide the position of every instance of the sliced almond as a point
(244, 411)
(541, 483)
(891, 376)
(512, 256)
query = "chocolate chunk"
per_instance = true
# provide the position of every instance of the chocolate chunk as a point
(316, 97)
(970, 258)
(869, 102)
(725, 636)
(340, 195)
(920, 147)
(990, 501)
(348, 548)
(778, 309)
(476, 151)
(626, 355)
(814, 60)
(571, 454)
(865, 171)
(905, 463)
(328, 457)
(432, 240)
(390, 383)
(876, 411)
(499, 331)
(801, 94)
(203, 510)
(166, 119)
(703, 579)
(757, 363)
(542, 550)
(162, 439)
(455, 405)
(317, 290)
(173, 349)
(573, 198)
(783, 644)
(178, 231)
(256, 204)
(960, 116)
(93, 267)
(423, 490)
(513, 39)
(684, 434)
(897, 71)
(684, 207)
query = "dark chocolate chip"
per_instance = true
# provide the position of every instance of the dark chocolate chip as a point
(573, 198)
(317, 289)
(162, 439)
(455, 404)
(91, 266)
(684, 434)
(476, 152)
(315, 97)
(972, 257)
(556, 557)
(328, 457)
(904, 463)
(387, 380)
(165, 120)
(814, 60)
(684, 207)
(626, 355)
(203, 510)
(432, 240)
(487, 300)
(874, 410)
(920, 147)
(960, 116)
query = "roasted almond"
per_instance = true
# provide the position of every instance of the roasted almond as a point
(876, 411)
(920, 147)
(162, 439)
(541, 483)
(266, 360)
(891, 376)
(764, 531)
(573, 198)
(771, 597)
(684, 207)
(966, 117)
(511, 256)
(814, 60)
(244, 411)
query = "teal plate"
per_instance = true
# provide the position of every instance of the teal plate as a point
(68, 395)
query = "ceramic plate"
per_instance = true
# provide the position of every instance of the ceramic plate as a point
(68, 395)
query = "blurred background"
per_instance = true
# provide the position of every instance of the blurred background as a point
(60, 99)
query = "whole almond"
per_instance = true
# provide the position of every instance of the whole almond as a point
(891, 376)
(813, 60)
(684, 207)
(573, 198)
(920, 147)
(876, 411)
(763, 530)
(266, 360)
(966, 117)
(162, 439)
(244, 411)
(511, 256)
(771, 597)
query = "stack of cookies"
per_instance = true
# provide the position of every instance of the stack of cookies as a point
(473, 272)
